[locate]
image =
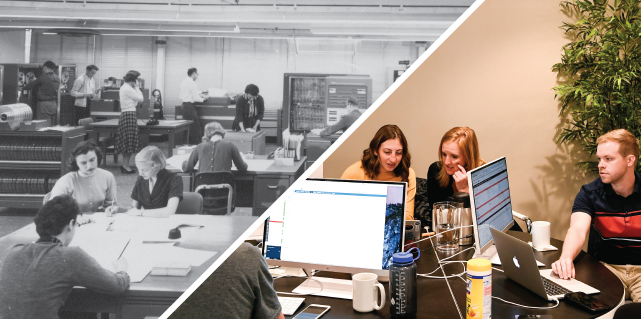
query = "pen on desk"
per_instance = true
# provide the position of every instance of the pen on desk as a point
(123, 250)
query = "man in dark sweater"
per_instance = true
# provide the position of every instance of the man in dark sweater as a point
(345, 122)
(241, 288)
(47, 95)
(37, 278)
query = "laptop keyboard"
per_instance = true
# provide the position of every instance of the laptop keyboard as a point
(290, 304)
(553, 289)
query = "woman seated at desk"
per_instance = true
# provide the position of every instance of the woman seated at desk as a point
(157, 191)
(36, 278)
(214, 153)
(250, 108)
(458, 153)
(93, 188)
(387, 159)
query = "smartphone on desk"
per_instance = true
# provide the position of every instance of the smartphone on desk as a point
(589, 302)
(313, 311)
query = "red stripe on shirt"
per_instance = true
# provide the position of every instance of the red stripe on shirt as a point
(618, 226)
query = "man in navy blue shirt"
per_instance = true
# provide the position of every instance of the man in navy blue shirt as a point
(610, 206)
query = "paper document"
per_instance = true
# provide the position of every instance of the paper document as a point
(103, 246)
(257, 164)
(176, 161)
(142, 257)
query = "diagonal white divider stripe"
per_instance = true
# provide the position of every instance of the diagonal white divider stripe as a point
(321, 159)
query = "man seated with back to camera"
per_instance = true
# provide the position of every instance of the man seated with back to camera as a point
(36, 278)
(241, 288)
(609, 206)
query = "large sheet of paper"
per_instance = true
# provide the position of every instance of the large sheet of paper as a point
(176, 161)
(150, 229)
(103, 246)
(142, 257)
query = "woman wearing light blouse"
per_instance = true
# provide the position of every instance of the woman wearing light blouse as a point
(127, 140)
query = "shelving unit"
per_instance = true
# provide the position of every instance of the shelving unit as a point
(31, 163)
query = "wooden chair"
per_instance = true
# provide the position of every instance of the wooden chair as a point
(104, 142)
(217, 189)
(192, 203)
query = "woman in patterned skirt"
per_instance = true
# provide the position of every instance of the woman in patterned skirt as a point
(127, 139)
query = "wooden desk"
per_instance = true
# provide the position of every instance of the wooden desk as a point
(259, 186)
(169, 128)
(435, 301)
(154, 294)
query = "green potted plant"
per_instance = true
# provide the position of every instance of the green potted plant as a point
(600, 73)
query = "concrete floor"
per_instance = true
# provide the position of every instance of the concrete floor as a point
(12, 219)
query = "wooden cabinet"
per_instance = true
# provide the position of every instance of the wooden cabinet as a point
(31, 163)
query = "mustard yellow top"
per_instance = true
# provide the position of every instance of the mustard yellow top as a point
(355, 171)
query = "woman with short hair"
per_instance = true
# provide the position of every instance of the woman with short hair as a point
(157, 191)
(387, 159)
(127, 134)
(93, 188)
(250, 108)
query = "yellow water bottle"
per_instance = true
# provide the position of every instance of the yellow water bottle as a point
(479, 289)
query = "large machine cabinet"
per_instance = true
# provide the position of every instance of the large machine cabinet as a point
(312, 101)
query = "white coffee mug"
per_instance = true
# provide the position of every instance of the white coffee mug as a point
(540, 234)
(364, 286)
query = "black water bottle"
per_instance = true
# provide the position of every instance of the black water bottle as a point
(402, 285)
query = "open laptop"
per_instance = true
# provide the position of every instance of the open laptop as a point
(519, 265)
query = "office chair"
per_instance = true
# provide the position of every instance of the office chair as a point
(192, 203)
(103, 141)
(217, 189)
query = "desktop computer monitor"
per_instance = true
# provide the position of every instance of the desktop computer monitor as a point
(490, 202)
(344, 226)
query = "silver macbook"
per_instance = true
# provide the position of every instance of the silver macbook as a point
(519, 265)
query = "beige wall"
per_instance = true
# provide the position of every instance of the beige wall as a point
(494, 75)
(12, 46)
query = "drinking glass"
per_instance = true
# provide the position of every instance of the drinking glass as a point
(447, 216)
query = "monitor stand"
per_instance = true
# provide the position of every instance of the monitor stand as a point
(490, 254)
(332, 287)
(493, 256)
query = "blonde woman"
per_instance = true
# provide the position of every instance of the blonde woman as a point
(458, 153)
(157, 191)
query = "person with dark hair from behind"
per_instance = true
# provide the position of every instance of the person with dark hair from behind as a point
(36, 278)
(92, 187)
(189, 94)
(47, 94)
(250, 109)
(241, 288)
(387, 159)
(84, 89)
(345, 122)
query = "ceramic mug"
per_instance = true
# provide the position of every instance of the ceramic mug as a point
(540, 234)
(364, 286)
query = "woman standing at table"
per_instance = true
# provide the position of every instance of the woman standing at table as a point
(157, 191)
(214, 153)
(91, 186)
(458, 153)
(387, 159)
(250, 108)
(128, 136)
